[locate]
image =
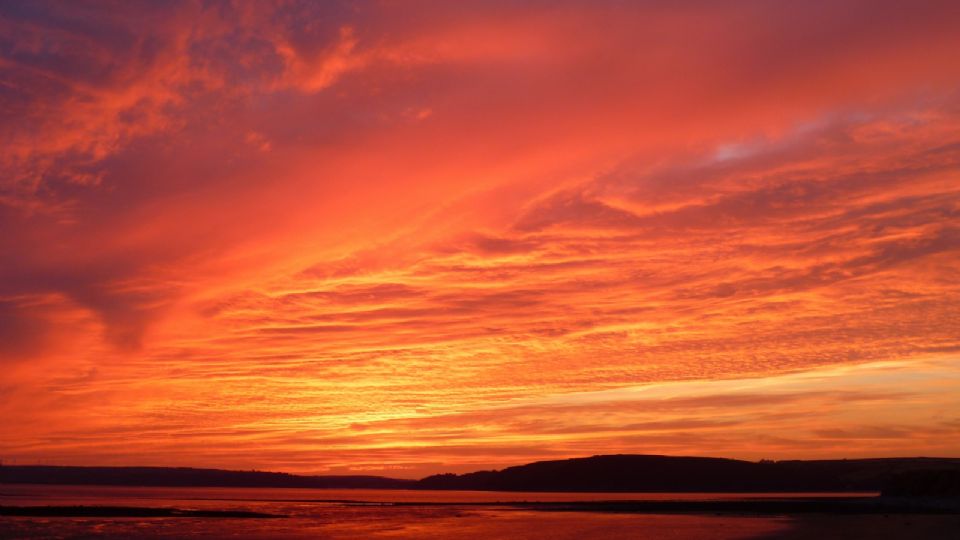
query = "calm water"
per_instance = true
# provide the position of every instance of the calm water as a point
(335, 513)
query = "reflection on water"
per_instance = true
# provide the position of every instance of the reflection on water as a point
(437, 523)
(315, 513)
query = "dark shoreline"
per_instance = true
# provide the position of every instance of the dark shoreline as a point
(761, 507)
(125, 511)
(827, 506)
(765, 507)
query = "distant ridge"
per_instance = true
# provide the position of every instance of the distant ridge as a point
(652, 473)
(186, 477)
(610, 473)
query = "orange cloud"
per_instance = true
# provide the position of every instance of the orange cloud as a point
(299, 236)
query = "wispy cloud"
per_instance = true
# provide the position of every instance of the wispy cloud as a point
(250, 230)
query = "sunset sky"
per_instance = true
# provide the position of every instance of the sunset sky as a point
(407, 237)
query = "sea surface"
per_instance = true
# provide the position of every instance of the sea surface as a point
(361, 513)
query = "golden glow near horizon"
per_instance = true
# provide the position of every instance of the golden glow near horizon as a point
(404, 238)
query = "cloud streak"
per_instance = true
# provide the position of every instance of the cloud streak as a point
(373, 229)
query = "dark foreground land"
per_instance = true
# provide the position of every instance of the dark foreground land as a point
(869, 527)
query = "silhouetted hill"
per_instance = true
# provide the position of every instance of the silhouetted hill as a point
(936, 483)
(623, 473)
(617, 473)
(183, 476)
